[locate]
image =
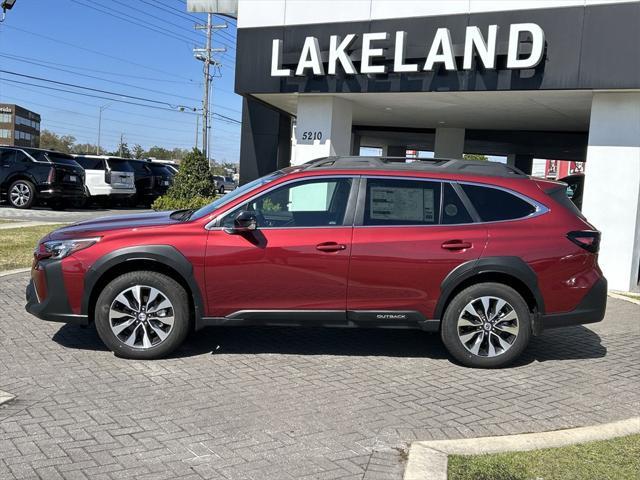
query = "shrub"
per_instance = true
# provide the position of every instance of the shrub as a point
(169, 203)
(193, 185)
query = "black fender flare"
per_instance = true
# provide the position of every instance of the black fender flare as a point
(162, 254)
(508, 265)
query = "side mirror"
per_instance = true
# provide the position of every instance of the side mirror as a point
(245, 221)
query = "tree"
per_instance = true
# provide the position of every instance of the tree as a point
(160, 153)
(138, 151)
(53, 141)
(86, 148)
(122, 150)
(475, 156)
(194, 179)
(193, 185)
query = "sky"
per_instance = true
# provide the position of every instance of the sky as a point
(138, 48)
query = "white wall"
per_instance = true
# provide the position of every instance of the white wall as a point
(612, 185)
(260, 13)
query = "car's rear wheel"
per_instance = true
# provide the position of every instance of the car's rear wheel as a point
(22, 194)
(487, 325)
(142, 315)
(221, 190)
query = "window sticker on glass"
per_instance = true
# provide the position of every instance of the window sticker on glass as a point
(396, 203)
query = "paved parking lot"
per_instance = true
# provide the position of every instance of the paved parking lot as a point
(44, 214)
(275, 403)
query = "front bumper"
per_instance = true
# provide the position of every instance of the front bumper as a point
(591, 309)
(55, 307)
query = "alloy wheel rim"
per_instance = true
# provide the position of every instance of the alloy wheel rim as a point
(20, 194)
(141, 317)
(488, 326)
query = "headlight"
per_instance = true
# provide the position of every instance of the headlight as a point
(57, 249)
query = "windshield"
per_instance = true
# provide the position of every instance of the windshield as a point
(238, 192)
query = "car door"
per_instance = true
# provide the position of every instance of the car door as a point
(409, 234)
(296, 260)
(7, 162)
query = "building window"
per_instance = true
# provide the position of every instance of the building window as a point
(6, 118)
(4, 133)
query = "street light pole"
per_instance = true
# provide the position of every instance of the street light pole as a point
(101, 108)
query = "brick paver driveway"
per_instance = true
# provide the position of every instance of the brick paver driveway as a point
(277, 403)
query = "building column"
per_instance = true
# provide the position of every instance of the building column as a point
(394, 151)
(522, 162)
(611, 199)
(449, 143)
(323, 127)
(265, 140)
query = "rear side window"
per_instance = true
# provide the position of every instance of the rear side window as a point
(453, 210)
(57, 157)
(402, 202)
(493, 204)
(90, 163)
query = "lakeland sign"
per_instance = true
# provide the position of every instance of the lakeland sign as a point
(439, 52)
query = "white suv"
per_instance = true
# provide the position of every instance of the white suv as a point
(107, 179)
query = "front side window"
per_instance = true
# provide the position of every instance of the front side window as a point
(312, 203)
(402, 202)
(493, 204)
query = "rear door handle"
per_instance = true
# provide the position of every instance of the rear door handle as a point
(331, 247)
(456, 245)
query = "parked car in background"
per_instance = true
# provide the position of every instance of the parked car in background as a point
(224, 184)
(170, 164)
(152, 180)
(108, 179)
(575, 188)
(475, 251)
(31, 175)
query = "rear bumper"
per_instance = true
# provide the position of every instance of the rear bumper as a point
(590, 310)
(49, 193)
(55, 307)
(110, 191)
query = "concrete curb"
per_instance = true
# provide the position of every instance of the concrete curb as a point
(428, 460)
(15, 271)
(6, 397)
(624, 297)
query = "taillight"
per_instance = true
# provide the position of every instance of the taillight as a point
(107, 176)
(587, 239)
(52, 175)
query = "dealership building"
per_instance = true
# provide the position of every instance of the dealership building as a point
(522, 79)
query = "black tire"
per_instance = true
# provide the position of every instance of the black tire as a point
(456, 347)
(221, 190)
(173, 292)
(24, 195)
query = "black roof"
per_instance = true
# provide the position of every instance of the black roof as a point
(471, 167)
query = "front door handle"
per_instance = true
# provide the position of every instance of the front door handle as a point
(331, 247)
(456, 245)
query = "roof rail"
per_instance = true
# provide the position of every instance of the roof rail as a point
(477, 167)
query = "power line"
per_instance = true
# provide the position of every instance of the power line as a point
(155, 29)
(96, 52)
(97, 90)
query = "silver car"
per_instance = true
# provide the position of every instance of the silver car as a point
(224, 184)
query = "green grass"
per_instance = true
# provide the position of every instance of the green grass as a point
(17, 244)
(617, 459)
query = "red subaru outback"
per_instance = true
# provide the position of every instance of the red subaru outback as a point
(477, 251)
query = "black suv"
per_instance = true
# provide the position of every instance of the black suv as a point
(28, 175)
(152, 181)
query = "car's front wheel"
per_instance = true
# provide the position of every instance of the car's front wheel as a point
(221, 190)
(487, 325)
(142, 315)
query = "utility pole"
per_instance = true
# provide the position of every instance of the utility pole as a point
(101, 109)
(121, 138)
(197, 129)
(204, 55)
